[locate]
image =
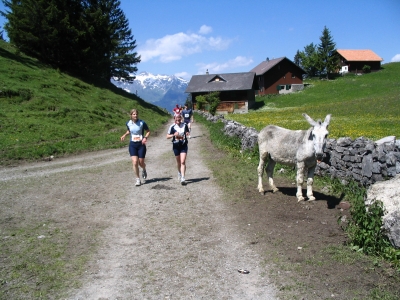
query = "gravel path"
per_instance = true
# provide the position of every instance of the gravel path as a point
(158, 241)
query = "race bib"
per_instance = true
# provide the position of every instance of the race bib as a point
(136, 138)
(187, 116)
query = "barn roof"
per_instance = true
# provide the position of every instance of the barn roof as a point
(268, 64)
(222, 82)
(359, 55)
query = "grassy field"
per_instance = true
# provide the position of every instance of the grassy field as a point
(46, 112)
(367, 105)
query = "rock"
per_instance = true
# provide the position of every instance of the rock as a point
(388, 192)
(389, 139)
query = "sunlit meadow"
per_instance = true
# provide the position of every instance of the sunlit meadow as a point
(361, 106)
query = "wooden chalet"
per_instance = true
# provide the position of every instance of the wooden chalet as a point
(355, 60)
(237, 90)
(278, 76)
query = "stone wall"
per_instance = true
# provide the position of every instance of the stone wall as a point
(361, 159)
(367, 162)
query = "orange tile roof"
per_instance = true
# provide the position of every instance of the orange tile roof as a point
(359, 55)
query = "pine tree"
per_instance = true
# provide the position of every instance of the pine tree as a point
(297, 58)
(308, 59)
(86, 37)
(327, 56)
(123, 60)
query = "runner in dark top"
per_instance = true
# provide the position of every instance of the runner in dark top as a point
(187, 114)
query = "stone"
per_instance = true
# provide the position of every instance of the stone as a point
(388, 192)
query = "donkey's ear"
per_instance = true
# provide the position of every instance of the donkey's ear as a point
(309, 119)
(327, 120)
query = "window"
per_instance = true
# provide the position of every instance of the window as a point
(293, 76)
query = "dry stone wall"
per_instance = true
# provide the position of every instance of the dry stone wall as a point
(362, 160)
(365, 161)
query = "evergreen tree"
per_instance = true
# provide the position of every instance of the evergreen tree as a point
(309, 60)
(327, 56)
(297, 58)
(90, 37)
(123, 60)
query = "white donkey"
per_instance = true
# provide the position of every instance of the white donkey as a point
(300, 148)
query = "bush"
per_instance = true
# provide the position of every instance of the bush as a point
(364, 229)
(208, 102)
(367, 69)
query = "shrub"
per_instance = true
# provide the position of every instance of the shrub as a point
(208, 102)
(367, 69)
(364, 229)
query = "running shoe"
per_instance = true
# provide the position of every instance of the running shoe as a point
(179, 176)
(144, 174)
(137, 182)
(189, 136)
(183, 182)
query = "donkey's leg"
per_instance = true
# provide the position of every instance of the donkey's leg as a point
(270, 174)
(260, 171)
(310, 181)
(300, 180)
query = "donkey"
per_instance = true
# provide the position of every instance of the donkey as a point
(300, 148)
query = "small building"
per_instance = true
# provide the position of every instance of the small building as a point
(237, 90)
(355, 60)
(278, 76)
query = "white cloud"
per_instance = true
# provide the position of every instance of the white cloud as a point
(184, 75)
(173, 47)
(396, 58)
(215, 67)
(204, 29)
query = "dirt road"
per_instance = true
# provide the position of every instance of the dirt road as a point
(157, 241)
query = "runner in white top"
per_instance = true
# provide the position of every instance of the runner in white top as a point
(179, 132)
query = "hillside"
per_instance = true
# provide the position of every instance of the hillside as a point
(46, 112)
(367, 105)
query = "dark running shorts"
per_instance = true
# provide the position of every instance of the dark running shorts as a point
(137, 149)
(178, 149)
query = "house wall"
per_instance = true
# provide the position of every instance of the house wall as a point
(282, 74)
(357, 66)
(231, 101)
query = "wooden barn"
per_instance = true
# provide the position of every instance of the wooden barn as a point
(355, 60)
(278, 76)
(237, 90)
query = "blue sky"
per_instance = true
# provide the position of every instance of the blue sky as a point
(185, 38)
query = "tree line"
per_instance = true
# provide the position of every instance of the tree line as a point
(85, 37)
(321, 59)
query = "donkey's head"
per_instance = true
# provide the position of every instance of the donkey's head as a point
(319, 134)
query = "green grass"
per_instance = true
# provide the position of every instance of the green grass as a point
(367, 105)
(46, 112)
(36, 264)
(235, 171)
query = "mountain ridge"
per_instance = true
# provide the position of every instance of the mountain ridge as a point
(162, 90)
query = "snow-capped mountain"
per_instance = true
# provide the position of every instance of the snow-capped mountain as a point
(162, 90)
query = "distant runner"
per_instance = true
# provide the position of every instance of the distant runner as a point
(187, 114)
(176, 111)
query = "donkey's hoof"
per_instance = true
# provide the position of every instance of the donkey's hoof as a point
(311, 198)
(274, 190)
(300, 198)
